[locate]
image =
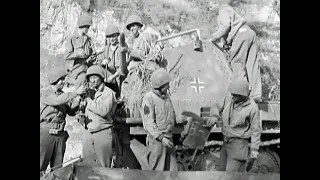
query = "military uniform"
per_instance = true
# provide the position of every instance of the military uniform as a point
(243, 52)
(241, 121)
(53, 110)
(158, 118)
(139, 49)
(97, 140)
(139, 52)
(112, 57)
(79, 49)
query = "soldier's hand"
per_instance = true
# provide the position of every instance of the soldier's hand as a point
(110, 79)
(123, 49)
(254, 154)
(83, 103)
(166, 142)
(81, 90)
(210, 122)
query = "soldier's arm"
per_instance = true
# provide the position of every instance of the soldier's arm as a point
(255, 129)
(53, 99)
(224, 23)
(69, 50)
(104, 55)
(89, 46)
(217, 108)
(103, 106)
(148, 119)
(144, 51)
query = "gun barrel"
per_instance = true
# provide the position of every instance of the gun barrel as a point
(181, 34)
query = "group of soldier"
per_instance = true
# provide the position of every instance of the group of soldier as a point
(98, 78)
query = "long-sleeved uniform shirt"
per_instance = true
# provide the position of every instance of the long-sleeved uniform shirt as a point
(239, 120)
(100, 109)
(53, 105)
(158, 115)
(78, 48)
(229, 22)
(139, 49)
(114, 59)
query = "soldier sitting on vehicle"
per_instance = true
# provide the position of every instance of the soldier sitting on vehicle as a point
(140, 50)
(240, 119)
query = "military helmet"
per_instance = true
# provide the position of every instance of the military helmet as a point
(239, 86)
(56, 74)
(160, 77)
(84, 20)
(112, 29)
(133, 19)
(96, 70)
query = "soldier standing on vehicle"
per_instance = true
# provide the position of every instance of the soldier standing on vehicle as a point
(97, 140)
(53, 110)
(241, 121)
(116, 67)
(158, 118)
(242, 55)
(79, 49)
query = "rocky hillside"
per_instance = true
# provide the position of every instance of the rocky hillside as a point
(58, 20)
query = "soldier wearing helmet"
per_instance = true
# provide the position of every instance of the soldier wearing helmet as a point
(111, 59)
(54, 106)
(242, 40)
(241, 121)
(79, 49)
(158, 118)
(97, 140)
(139, 49)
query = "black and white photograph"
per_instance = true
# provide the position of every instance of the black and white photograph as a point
(159, 89)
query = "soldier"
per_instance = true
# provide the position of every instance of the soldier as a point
(53, 110)
(240, 118)
(242, 55)
(141, 42)
(97, 140)
(158, 118)
(115, 66)
(79, 49)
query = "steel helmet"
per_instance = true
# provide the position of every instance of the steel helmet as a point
(160, 77)
(96, 70)
(56, 74)
(84, 20)
(133, 19)
(239, 86)
(112, 29)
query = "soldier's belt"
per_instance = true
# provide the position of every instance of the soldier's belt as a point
(57, 126)
(231, 139)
